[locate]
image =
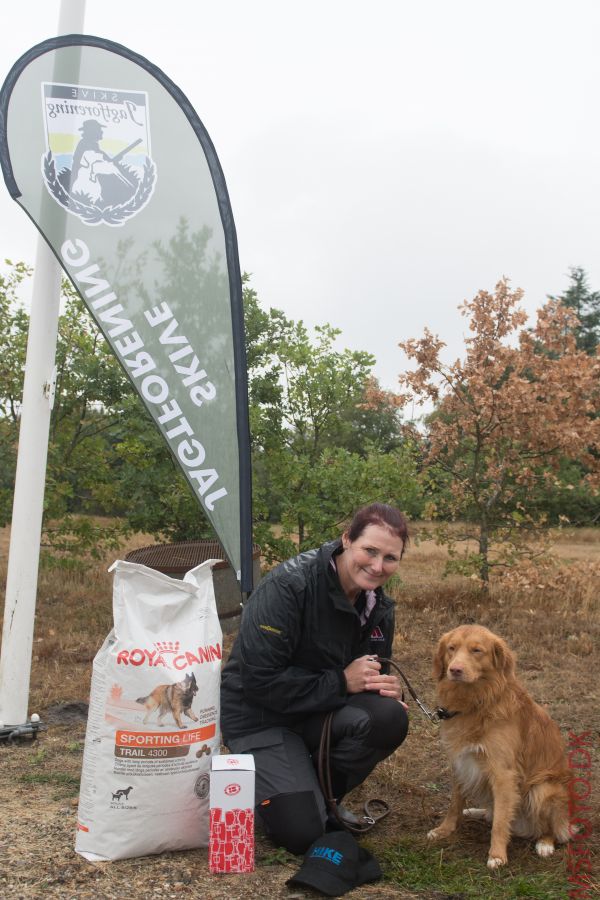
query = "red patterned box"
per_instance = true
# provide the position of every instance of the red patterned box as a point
(231, 841)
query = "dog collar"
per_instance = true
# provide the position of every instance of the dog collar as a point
(443, 713)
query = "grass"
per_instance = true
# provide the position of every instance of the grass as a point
(48, 769)
(427, 869)
(551, 620)
(62, 778)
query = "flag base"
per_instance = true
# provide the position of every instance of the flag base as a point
(27, 731)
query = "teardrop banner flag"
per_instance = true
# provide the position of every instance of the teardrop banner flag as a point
(109, 160)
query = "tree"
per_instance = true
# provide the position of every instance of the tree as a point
(87, 408)
(306, 397)
(569, 499)
(91, 389)
(374, 422)
(586, 305)
(155, 496)
(321, 495)
(506, 417)
(14, 324)
(320, 447)
(326, 438)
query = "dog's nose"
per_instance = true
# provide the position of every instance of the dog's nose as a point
(456, 671)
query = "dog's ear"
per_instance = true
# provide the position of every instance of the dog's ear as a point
(504, 658)
(439, 668)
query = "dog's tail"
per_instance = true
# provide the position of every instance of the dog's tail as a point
(142, 700)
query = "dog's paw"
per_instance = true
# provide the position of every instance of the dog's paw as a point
(437, 834)
(494, 862)
(544, 847)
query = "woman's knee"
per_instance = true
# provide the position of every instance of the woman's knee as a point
(388, 720)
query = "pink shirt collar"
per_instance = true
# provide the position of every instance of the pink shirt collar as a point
(370, 599)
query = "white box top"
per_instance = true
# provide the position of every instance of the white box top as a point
(230, 762)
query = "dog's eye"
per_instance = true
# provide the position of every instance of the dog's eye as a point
(476, 650)
(451, 648)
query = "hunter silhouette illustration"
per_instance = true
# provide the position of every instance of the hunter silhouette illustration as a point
(95, 177)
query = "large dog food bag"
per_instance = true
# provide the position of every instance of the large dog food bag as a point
(153, 722)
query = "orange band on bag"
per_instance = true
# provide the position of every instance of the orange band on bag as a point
(164, 739)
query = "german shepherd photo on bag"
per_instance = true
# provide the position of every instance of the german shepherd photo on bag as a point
(175, 699)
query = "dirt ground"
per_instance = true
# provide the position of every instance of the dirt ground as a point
(39, 780)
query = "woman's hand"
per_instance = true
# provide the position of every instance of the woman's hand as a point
(364, 674)
(360, 672)
(387, 686)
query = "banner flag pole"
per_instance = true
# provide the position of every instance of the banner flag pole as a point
(28, 499)
(118, 173)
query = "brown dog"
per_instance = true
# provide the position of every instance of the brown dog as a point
(507, 754)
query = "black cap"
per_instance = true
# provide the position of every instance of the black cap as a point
(335, 864)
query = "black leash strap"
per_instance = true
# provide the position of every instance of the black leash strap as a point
(371, 817)
(436, 715)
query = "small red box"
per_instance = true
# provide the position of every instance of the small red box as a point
(231, 841)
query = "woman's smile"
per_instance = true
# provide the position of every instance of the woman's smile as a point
(369, 561)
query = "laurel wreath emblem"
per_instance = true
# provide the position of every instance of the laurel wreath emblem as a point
(94, 215)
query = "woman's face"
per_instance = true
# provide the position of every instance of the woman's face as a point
(370, 560)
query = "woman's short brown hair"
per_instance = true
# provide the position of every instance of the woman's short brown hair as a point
(379, 514)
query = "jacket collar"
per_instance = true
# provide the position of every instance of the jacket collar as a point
(340, 601)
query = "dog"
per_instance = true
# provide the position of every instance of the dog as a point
(172, 698)
(123, 792)
(507, 754)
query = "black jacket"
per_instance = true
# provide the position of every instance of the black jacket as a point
(298, 633)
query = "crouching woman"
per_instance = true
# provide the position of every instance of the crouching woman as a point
(309, 642)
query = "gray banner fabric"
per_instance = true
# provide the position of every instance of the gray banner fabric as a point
(110, 161)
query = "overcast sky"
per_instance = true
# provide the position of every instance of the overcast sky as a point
(385, 160)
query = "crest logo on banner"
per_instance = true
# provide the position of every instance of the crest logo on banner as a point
(98, 164)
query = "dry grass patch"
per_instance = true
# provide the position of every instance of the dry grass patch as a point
(551, 621)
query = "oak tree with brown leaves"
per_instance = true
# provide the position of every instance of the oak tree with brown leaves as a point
(519, 402)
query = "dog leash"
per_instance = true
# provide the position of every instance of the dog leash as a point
(370, 817)
(435, 716)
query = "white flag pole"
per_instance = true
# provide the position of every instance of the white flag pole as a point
(28, 502)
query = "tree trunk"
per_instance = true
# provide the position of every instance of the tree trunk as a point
(484, 566)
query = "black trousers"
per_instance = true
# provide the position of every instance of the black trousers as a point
(289, 800)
